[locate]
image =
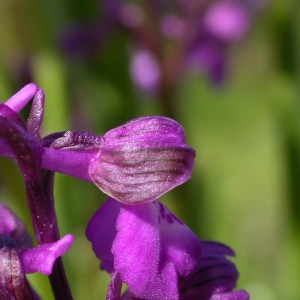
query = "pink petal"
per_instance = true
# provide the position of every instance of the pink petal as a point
(42, 258)
(152, 248)
(22, 97)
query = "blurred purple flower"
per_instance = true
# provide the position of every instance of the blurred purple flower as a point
(145, 71)
(18, 256)
(158, 256)
(227, 20)
(202, 29)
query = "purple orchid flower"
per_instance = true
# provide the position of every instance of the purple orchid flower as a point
(142, 245)
(158, 256)
(136, 162)
(18, 256)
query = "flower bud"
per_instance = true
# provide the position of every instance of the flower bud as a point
(142, 159)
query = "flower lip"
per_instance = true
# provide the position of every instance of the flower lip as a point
(142, 159)
(147, 245)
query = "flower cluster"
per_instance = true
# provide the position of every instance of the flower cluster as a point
(139, 241)
(167, 37)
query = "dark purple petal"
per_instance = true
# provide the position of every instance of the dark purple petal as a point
(22, 97)
(12, 278)
(212, 247)
(142, 159)
(152, 248)
(42, 258)
(215, 275)
(13, 227)
(215, 278)
(101, 232)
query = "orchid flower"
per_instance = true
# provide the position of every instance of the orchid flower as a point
(136, 162)
(158, 256)
(139, 241)
(18, 256)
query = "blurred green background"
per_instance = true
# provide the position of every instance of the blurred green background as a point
(245, 189)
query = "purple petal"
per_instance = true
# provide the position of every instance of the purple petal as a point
(22, 97)
(216, 275)
(152, 248)
(215, 278)
(227, 21)
(101, 232)
(142, 159)
(12, 226)
(42, 258)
